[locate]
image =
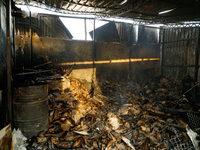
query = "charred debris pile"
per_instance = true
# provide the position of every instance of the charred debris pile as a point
(126, 115)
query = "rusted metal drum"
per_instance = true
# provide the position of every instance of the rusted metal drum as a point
(30, 109)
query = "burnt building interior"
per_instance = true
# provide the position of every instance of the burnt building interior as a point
(99, 74)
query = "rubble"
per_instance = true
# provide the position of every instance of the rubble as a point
(127, 116)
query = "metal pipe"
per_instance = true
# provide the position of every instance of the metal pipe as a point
(20, 74)
(49, 62)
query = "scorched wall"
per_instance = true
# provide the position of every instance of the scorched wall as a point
(113, 61)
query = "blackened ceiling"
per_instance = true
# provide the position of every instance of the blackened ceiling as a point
(146, 10)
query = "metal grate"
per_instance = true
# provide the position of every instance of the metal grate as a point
(194, 120)
(177, 144)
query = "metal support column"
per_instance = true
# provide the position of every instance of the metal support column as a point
(14, 53)
(130, 50)
(94, 52)
(39, 25)
(162, 53)
(197, 56)
(141, 38)
(9, 63)
(85, 27)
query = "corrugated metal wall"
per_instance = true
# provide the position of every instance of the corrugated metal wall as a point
(180, 52)
(51, 26)
(22, 25)
(43, 25)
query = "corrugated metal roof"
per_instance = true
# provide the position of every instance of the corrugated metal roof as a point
(182, 10)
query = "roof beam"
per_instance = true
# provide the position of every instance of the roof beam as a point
(42, 5)
(129, 7)
(82, 5)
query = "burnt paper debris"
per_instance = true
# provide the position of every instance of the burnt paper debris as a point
(131, 116)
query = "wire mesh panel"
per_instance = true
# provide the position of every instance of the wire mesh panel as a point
(177, 144)
(194, 120)
(178, 141)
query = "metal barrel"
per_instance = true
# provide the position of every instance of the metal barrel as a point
(30, 109)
